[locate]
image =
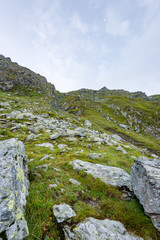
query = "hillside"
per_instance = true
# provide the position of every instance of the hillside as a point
(107, 127)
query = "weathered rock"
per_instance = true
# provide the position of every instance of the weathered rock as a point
(47, 145)
(87, 123)
(74, 181)
(62, 212)
(33, 129)
(95, 155)
(30, 137)
(124, 126)
(117, 138)
(44, 167)
(54, 136)
(18, 115)
(121, 149)
(62, 146)
(13, 189)
(110, 175)
(145, 179)
(93, 229)
(52, 185)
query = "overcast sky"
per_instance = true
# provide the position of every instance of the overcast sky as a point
(85, 43)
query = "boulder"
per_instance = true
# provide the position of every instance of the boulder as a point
(13, 189)
(18, 115)
(110, 175)
(93, 229)
(62, 212)
(145, 179)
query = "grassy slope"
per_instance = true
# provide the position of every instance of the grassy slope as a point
(92, 197)
(99, 110)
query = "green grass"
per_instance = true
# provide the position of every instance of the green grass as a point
(92, 198)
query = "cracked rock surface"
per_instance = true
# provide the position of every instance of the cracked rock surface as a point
(13, 189)
(145, 178)
(95, 229)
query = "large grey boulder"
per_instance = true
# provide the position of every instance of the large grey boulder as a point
(110, 175)
(145, 179)
(93, 229)
(13, 189)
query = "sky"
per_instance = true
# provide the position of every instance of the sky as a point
(85, 43)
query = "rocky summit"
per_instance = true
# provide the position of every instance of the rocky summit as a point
(77, 165)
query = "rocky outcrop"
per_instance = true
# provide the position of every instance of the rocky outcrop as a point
(99, 230)
(145, 178)
(12, 76)
(13, 189)
(110, 175)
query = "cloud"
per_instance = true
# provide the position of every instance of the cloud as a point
(76, 49)
(115, 25)
(78, 24)
(137, 65)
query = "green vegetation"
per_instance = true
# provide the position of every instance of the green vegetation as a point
(92, 198)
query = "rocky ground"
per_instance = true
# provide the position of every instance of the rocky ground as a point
(79, 166)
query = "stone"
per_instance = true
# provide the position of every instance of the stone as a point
(33, 129)
(5, 104)
(79, 131)
(94, 229)
(74, 181)
(18, 115)
(110, 175)
(121, 149)
(54, 136)
(62, 146)
(47, 157)
(52, 185)
(47, 145)
(72, 139)
(117, 138)
(44, 167)
(145, 179)
(95, 155)
(87, 123)
(13, 189)
(30, 137)
(62, 212)
(124, 126)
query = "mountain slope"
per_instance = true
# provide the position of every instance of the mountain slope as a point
(133, 118)
(122, 126)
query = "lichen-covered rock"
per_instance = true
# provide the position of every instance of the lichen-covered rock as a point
(93, 229)
(13, 189)
(145, 179)
(110, 175)
(62, 212)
